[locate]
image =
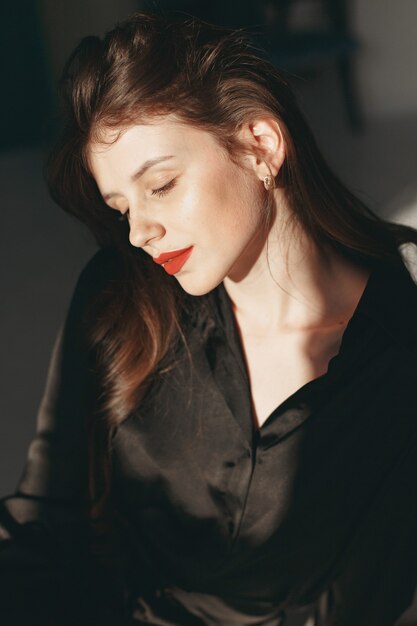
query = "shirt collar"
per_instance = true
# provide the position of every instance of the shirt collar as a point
(390, 300)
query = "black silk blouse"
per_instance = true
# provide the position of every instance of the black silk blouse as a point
(217, 522)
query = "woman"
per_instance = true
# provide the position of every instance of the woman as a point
(228, 432)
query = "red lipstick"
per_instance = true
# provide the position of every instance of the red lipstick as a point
(173, 261)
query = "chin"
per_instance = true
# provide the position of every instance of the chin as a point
(197, 286)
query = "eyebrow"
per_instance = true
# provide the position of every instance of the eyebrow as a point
(140, 172)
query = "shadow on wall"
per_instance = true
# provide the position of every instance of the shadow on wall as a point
(26, 103)
(38, 36)
(301, 38)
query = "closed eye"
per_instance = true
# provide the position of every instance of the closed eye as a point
(162, 191)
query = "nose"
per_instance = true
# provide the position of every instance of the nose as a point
(143, 231)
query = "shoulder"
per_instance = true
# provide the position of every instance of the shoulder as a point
(94, 279)
(103, 266)
(395, 310)
(390, 300)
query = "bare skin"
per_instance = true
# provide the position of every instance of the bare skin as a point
(292, 299)
(290, 341)
(281, 363)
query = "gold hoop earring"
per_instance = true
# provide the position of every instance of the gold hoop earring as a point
(269, 182)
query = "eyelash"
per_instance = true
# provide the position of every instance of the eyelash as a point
(162, 191)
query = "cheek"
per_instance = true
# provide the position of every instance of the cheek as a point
(201, 208)
(247, 207)
(219, 204)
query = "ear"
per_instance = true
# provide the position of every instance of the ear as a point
(265, 138)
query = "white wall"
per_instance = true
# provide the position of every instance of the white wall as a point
(387, 65)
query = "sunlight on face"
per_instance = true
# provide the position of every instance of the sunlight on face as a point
(180, 191)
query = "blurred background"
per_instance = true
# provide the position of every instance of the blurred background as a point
(352, 63)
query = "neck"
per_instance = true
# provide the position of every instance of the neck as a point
(294, 286)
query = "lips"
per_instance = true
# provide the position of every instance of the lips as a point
(173, 261)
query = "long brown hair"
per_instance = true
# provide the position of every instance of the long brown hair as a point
(216, 80)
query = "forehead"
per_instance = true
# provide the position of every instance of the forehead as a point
(146, 141)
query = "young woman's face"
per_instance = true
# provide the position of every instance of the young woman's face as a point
(181, 192)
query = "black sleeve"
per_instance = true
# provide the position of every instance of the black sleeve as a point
(47, 576)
